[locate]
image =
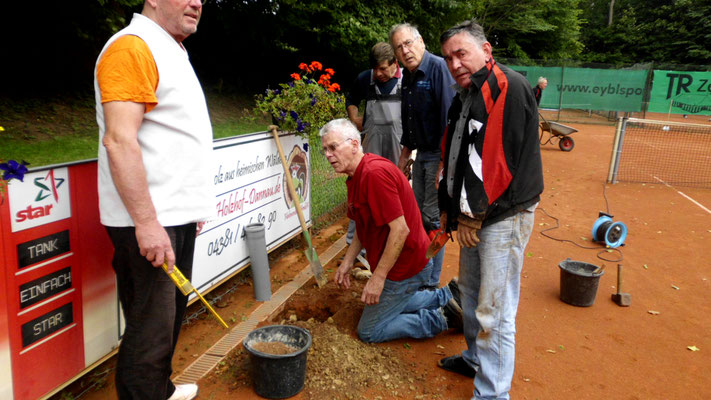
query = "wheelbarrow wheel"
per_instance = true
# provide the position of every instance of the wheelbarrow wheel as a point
(566, 144)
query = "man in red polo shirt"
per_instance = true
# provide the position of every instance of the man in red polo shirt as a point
(389, 226)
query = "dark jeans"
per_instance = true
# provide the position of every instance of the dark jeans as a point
(153, 308)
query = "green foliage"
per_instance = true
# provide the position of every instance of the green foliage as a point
(661, 31)
(516, 28)
(529, 29)
(304, 105)
(345, 28)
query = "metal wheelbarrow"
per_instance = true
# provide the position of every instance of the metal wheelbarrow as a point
(557, 132)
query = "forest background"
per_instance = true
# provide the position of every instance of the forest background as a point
(48, 50)
(244, 46)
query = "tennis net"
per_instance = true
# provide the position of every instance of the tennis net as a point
(649, 151)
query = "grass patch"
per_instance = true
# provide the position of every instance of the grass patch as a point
(50, 131)
(54, 150)
(46, 131)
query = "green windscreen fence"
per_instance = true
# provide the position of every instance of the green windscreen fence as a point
(589, 88)
(681, 92)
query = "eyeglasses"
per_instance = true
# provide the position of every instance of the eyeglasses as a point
(408, 43)
(331, 148)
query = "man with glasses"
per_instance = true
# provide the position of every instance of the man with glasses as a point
(154, 184)
(491, 185)
(388, 225)
(426, 96)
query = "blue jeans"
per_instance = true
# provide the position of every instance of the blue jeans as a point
(424, 174)
(405, 312)
(490, 285)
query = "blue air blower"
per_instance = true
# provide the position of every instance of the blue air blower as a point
(613, 234)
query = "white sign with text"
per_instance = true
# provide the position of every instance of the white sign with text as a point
(249, 185)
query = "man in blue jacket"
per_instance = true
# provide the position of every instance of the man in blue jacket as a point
(426, 96)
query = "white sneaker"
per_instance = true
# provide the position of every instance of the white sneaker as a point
(185, 392)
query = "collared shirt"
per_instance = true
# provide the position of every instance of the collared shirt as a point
(426, 97)
(378, 193)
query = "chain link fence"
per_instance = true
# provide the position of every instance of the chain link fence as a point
(328, 189)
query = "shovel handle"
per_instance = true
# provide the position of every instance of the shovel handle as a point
(619, 278)
(290, 184)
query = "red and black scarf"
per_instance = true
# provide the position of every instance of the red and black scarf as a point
(495, 170)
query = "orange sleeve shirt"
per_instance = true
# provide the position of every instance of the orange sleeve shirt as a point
(128, 72)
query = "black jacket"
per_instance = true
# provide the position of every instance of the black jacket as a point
(517, 180)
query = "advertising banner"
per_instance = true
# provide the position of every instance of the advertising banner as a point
(249, 183)
(589, 88)
(59, 311)
(41, 275)
(681, 92)
(47, 200)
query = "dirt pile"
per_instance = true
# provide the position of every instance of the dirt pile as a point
(339, 365)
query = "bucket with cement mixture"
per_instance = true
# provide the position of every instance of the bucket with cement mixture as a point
(278, 358)
(579, 282)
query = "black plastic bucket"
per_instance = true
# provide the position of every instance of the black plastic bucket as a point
(277, 376)
(578, 282)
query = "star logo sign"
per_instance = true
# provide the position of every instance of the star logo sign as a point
(48, 186)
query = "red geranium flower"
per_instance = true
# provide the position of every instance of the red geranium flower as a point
(315, 65)
(303, 67)
(330, 71)
(296, 76)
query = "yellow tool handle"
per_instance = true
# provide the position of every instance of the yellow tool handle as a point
(180, 280)
(211, 309)
(186, 288)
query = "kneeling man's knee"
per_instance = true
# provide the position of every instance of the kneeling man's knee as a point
(366, 335)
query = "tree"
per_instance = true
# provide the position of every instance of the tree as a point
(249, 44)
(52, 47)
(529, 29)
(660, 31)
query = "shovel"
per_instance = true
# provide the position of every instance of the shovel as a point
(316, 268)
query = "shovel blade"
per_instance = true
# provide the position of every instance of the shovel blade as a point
(316, 267)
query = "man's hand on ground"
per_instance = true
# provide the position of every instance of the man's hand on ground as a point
(154, 243)
(343, 274)
(372, 290)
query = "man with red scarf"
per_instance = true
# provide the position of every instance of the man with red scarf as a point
(490, 185)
